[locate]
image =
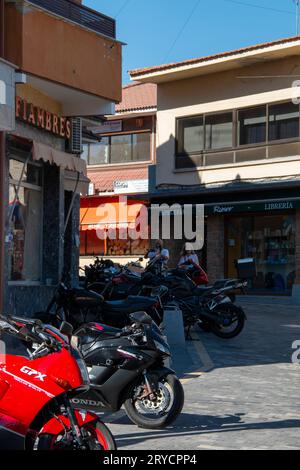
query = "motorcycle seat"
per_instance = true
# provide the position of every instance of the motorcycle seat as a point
(199, 291)
(131, 304)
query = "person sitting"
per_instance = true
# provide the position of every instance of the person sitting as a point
(188, 256)
(159, 252)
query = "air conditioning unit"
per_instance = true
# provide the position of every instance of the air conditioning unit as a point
(75, 142)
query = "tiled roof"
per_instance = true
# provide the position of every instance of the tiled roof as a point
(158, 68)
(138, 97)
(104, 179)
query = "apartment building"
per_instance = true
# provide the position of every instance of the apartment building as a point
(228, 137)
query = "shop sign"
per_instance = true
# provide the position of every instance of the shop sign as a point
(131, 186)
(106, 127)
(42, 119)
(271, 206)
(253, 207)
(223, 209)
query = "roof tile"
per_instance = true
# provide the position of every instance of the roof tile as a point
(137, 97)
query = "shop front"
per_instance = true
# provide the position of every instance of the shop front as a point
(264, 232)
(42, 208)
(106, 226)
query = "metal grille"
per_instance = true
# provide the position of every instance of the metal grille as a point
(80, 14)
(75, 145)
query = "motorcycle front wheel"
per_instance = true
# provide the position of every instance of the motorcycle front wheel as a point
(96, 437)
(159, 411)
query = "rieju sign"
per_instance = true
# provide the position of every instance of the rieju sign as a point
(42, 119)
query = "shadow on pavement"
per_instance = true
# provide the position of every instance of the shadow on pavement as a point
(191, 425)
(267, 338)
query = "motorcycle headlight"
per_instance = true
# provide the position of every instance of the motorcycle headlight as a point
(164, 348)
(83, 371)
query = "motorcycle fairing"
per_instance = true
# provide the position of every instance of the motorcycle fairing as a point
(58, 425)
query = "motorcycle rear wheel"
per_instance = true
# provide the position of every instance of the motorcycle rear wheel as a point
(98, 435)
(159, 420)
(231, 311)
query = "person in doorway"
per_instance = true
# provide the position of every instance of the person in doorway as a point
(159, 252)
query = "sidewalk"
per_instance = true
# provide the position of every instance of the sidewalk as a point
(248, 396)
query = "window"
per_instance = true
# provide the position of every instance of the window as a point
(283, 121)
(252, 126)
(25, 222)
(119, 149)
(99, 153)
(190, 135)
(141, 147)
(218, 131)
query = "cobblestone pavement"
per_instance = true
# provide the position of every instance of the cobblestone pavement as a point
(248, 398)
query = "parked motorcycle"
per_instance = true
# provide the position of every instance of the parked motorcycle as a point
(79, 306)
(126, 367)
(213, 311)
(36, 386)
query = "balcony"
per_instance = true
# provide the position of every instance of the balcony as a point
(80, 14)
(68, 52)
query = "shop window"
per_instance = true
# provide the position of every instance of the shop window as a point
(270, 240)
(94, 245)
(218, 131)
(120, 247)
(91, 245)
(25, 222)
(252, 126)
(283, 121)
(190, 135)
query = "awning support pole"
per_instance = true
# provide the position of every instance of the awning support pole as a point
(71, 204)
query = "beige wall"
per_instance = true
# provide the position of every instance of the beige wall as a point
(217, 92)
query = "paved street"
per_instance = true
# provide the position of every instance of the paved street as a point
(248, 398)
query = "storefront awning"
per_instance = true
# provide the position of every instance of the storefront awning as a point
(111, 215)
(56, 157)
(70, 183)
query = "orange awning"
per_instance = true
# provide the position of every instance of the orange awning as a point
(111, 215)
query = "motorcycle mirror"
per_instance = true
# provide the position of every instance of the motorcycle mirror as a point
(141, 317)
(66, 329)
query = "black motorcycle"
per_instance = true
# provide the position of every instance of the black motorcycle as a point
(212, 310)
(126, 367)
(79, 306)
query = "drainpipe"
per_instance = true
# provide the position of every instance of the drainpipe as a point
(2, 175)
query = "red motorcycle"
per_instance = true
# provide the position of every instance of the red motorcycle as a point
(37, 382)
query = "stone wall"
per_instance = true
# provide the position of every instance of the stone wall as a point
(215, 247)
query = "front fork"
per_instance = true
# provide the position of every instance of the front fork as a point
(75, 429)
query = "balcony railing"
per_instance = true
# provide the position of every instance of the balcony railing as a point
(80, 14)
